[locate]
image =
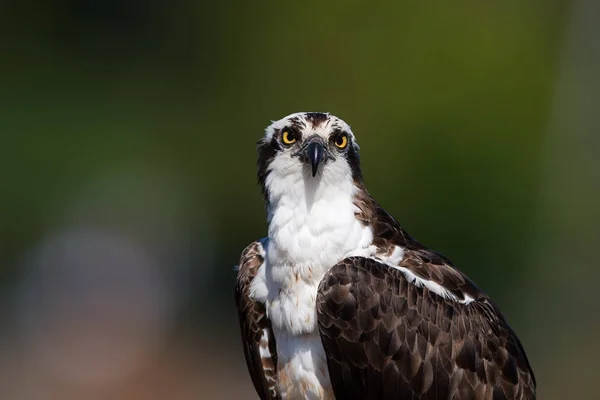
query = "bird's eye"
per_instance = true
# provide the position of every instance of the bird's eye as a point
(341, 141)
(288, 138)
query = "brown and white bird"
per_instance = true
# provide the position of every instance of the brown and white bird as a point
(338, 301)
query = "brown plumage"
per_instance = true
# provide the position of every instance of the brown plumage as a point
(386, 338)
(255, 326)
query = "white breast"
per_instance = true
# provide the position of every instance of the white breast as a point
(311, 228)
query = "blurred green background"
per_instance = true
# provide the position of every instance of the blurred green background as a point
(128, 188)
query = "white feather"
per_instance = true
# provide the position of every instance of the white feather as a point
(393, 261)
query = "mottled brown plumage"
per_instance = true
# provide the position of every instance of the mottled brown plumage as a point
(253, 324)
(386, 338)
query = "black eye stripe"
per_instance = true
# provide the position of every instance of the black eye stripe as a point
(275, 143)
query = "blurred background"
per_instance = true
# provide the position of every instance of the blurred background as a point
(128, 188)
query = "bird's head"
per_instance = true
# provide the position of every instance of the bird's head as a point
(307, 148)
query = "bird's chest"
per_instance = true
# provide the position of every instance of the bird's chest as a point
(302, 371)
(302, 365)
(292, 304)
(303, 246)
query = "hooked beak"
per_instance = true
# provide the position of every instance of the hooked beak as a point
(314, 154)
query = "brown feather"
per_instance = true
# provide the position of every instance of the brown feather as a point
(253, 324)
(396, 340)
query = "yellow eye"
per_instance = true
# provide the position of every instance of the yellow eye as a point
(341, 141)
(288, 138)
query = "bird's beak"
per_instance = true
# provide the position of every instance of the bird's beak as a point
(313, 152)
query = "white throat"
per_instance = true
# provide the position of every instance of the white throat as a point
(312, 226)
(312, 221)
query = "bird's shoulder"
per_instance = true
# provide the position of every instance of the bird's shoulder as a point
(425, 263)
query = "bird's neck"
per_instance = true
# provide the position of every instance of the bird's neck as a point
(313, 223)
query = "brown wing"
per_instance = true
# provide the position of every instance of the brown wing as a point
(386, 338)
(257, 335)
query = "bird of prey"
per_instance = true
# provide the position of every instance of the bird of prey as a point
(339, 302)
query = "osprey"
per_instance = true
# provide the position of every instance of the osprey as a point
(339, 302)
